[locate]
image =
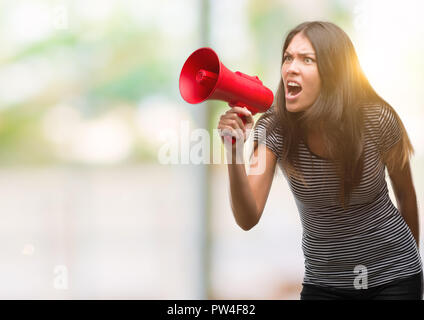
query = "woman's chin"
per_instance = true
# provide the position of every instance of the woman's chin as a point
(293, 107)
(296, 107)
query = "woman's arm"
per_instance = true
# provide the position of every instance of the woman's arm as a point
(248, 194)
(404, 190)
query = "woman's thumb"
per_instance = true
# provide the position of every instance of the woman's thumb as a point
(248, 115)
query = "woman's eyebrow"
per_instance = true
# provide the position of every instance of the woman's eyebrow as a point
(301, 53)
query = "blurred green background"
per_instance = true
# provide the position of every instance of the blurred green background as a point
(88, 90)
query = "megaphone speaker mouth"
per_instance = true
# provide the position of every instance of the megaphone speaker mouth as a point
(199, 75)
(206, 77)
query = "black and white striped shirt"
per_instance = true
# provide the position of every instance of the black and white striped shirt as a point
(370, 233)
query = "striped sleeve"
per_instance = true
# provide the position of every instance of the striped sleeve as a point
(390, 130)
(266, 131)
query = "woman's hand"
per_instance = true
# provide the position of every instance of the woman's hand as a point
(231, 125)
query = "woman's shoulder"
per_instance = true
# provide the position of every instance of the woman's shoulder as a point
(268, 120)
(383, 124)
(372, 108)
(267, 130)
(378, 114)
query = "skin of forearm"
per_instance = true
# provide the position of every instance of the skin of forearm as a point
(408, 207)
(242, 200)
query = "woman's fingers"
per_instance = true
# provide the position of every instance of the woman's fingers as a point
(231, 124)
(241, 110)
(238, 112)
(234, 122)
(229, 127)
(247, 115)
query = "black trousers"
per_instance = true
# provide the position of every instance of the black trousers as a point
(409, 288)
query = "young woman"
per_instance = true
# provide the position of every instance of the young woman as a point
(333, 136)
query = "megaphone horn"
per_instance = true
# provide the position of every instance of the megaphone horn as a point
(204, 77)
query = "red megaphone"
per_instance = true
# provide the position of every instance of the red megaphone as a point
(204, 77)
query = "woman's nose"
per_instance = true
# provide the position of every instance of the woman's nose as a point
(293, 67)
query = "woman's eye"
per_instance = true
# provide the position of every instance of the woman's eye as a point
(287, 58)
(308, 60)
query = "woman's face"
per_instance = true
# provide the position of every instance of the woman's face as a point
(300, 74)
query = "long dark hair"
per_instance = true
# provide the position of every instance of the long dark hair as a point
(345, 91)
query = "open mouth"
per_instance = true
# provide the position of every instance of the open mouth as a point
(293, 89)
